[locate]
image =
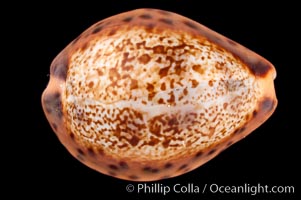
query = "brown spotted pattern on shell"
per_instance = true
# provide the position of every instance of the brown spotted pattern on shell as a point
(149, 94)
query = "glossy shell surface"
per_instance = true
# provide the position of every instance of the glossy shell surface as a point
(149, 94)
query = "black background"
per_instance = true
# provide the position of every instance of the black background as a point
(268, 156)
